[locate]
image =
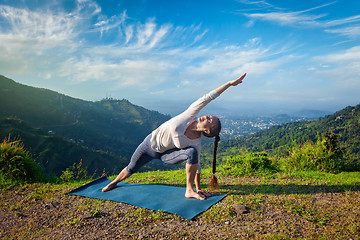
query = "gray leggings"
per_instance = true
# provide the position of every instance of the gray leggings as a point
(144, 154)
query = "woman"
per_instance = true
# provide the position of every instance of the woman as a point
(179, 140)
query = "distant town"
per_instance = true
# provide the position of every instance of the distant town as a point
(243, 126)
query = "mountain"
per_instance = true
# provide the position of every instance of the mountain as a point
(308, 113)
(54, 153)
(109, 126)
(278, 139)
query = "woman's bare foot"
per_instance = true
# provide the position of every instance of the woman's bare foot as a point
(192, 194)
(109, 187)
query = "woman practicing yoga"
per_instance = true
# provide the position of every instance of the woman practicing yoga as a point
(179, 140)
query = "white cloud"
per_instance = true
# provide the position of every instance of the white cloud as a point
(253, 42)
(230, 61)
(345, 56)
(129, 32)
(145, 32)
(41, 27)
(126, 73)
(56, 45)
(159, 35)
(200, 36)
(304, 19)
(337, 22)
(260, 4)
(344, 67)
(29, 40)
(107, 24)
(85, 7)
(288, 18)
(250, 23)
(350, 32)
(282, 17)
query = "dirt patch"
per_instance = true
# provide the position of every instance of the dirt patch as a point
(43, 211)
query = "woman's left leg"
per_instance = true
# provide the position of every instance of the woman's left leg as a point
(176, 155)
(190, 177)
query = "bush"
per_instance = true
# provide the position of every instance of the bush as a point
(323, 156)
(247, 163)
(16, 163)
(75, 172)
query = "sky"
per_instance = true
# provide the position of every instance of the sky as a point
(163, 55)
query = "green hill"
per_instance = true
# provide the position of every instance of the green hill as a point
(64, 129)
(55, 153)
(278, 139)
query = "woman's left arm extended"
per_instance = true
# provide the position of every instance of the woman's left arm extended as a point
(235, 82)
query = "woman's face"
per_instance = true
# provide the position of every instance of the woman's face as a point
(207, 122)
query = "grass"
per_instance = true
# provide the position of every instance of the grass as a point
(313, 198)
(283, 205)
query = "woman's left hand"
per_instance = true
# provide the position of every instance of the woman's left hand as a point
(225, 86)
(203, 193)
(237, 81)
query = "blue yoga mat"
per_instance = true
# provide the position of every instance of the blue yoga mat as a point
(151, 196)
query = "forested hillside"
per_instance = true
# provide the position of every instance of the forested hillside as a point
(111, 127)
(279, 139)
(55, 153)
(60, 130)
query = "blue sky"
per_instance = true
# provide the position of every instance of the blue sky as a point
(165, 54)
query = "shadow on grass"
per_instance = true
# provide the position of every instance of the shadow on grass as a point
(277, 189)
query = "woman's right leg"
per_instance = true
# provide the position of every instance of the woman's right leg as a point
(142, 155)
(121, 177)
